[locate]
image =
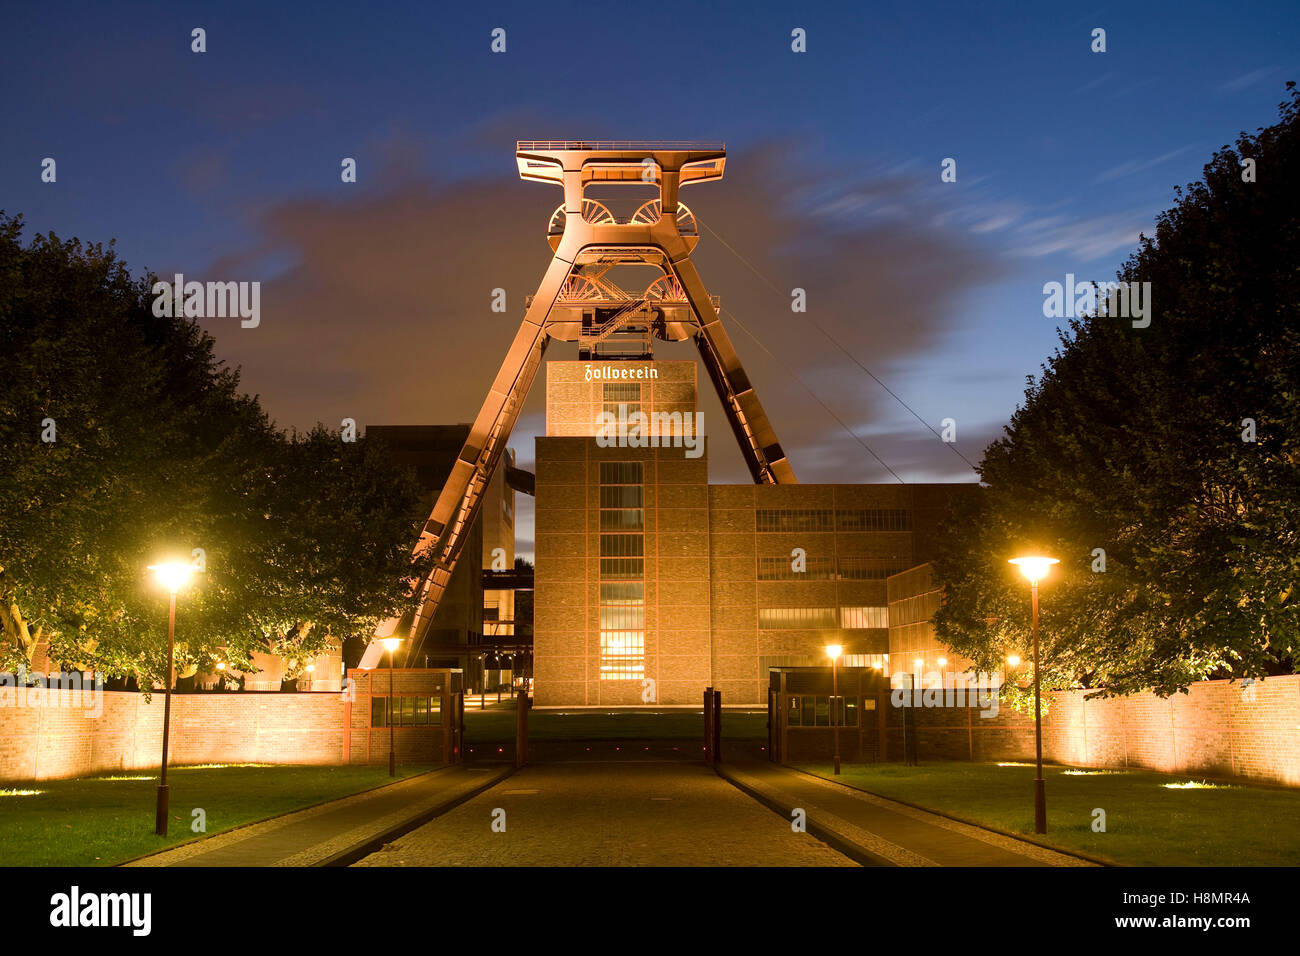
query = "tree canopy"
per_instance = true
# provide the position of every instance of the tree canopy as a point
(1174, 449)
(125, 440)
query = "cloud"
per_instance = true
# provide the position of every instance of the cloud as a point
(1134, 166)
(1246, 80)
(377, 305)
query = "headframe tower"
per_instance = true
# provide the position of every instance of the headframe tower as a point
(579, 301)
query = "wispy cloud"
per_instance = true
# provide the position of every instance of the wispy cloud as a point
(1246, 80)
(1133, 166)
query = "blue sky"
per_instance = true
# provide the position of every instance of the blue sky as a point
(225, 165)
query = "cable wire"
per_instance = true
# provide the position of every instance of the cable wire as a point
(768, 282)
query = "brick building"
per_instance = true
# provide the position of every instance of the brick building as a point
(652, 584)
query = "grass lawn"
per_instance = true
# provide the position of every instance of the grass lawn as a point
(1148, 823)
(497, 724)
(99, 821)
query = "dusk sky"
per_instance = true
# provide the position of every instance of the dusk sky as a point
(376, 296)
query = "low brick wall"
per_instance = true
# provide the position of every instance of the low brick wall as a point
(64, 737)
(1216, 729)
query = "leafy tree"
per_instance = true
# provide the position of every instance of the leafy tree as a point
(1131, 441)
(156, 452)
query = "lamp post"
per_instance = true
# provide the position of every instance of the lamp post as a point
(833, 651)
(390, 645)
(1035, 569)
(172, 575)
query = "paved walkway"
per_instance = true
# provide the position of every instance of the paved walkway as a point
(878, 831)
(636, 810)
(333, 832)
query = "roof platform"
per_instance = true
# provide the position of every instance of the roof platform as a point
(619, 161)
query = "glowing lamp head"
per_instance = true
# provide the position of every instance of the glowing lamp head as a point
(833, 651)
(942, 662)
(391, 643)
(221, 665)
(311, 668)
(1013, 660)
(919, 663)
(172, 574)
(1034, 568)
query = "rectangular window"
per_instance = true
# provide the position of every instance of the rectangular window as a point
(624, 519)
(810, 710)
(621, 473)
(796, 618)
(867, 519)
(793, 519)
(868, 569)
(625, 394)
(859, 618)
(620, 496)
(406, 711)
(621, 569)
(622, 566)
(783, 569)
(622, 546)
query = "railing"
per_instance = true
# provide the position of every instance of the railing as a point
(526, 145)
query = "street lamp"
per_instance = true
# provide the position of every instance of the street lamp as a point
(834, 651)
(1035, 569)
(172, 575)
(390, 645)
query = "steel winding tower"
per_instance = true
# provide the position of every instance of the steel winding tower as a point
(578, 300)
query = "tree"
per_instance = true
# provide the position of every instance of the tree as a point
(1131, 442)
(122, 439)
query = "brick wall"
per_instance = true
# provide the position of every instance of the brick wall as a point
(78, 734)
(64, 739)
(1216, 729)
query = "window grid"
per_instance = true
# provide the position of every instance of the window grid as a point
(795, 618)
(621, 613)
(622, 394)
(859, 618)
(869, 519)
(407, 711)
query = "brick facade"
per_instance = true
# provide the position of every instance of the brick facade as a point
(1217, 729)
(67, 736)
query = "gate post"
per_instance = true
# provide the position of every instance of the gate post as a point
(522, 704)
(708, 726)
(717, 727)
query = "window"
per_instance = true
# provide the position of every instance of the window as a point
(812, 710)
(614, 569)
(780, 569)
(857, 618)
(622, 546)
(620, 473)
(620, 496)
(868, 569)
(793, 519)
(790, 618)
(407, 711)
(865, 519)
(622, 567)
(620, 393)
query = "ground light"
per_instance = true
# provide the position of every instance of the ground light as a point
(172, 575)
(1035, 568)
(833, 651)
